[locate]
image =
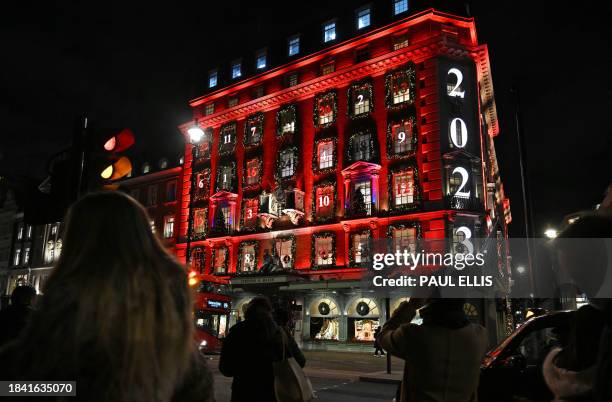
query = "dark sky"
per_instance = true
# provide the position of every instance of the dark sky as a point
(137, 64)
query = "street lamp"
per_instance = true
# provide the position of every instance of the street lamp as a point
(196, 135)
(550, 233)
(521, 269)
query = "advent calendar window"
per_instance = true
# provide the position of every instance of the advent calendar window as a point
(200, 216)
(252, 172)
(360, 99)
(226, 212)
(325, 151)
(226, 174)
(253, 130)
(247, 256)
(403, 187)
(202, 185)
(404, 238)
(203, 148)
(287, 163)
(250, 207)
(399, 86)
(324, 200)
(198, 259)
(227, 138)
(360, 247)
(325, 109)
(361, 146)
(220, 260)
(286, 120)
(323, 249)
(402, 137)
(285, 249)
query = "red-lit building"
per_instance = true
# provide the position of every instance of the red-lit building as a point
(388, 134)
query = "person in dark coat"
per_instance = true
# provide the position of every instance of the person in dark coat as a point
(377, 347)
(249, 350)
(116, 315)
(14, 318)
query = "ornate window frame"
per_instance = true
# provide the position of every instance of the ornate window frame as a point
(204, 194)
(366, 85)
(351, 139)
(411, 120)
(202, 235)
(245, 185)
(279, 168)
(293, 246)
(413, 224)
(256, 120)
(201, 267)
(243, 227)
(416, 204)
(313, 258)
(315, 160)
(229, 126)
(203, 149)
(331, 96)
(407, 71)
(241, 247)
(362, 231)
(290, 108)
(232, 165)
(215, 250)
(323, 184)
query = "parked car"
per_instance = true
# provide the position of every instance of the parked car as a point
(513, 370)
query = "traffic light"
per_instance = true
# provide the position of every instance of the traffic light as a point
(116, 166)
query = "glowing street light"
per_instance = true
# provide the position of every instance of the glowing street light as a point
(550, 233)
(195, 134)
(521, 269)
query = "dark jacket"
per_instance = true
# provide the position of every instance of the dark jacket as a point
(247, 356)
(197, 385)
(13, 320)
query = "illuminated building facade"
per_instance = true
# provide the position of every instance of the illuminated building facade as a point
(388, 134)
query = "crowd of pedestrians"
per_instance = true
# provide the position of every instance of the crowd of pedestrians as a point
(116, 315)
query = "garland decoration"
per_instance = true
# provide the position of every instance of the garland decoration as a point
(259, 166)
(241, 248)
(416, 194)
(364, 250)
(364, 89)
(280, 164)
(371, 143)
(287, 121)
(229, 131)
(202, 185)
(243, 220)
(333, 199)
(399, 82)
(324, 104)
(215, 251)
(316, 156)
(411, 137)
(229, 176)
(253, 130)
(313, 255)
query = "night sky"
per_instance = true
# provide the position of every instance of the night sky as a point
(137, 64)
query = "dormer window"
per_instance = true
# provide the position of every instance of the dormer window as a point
(212, 78)
(400, 6)
(293, 45)
(236, 69)
(329, 31)
(261, 59)
(363, 18)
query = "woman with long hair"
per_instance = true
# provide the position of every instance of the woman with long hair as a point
(116, 313)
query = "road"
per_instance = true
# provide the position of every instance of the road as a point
(334, 376)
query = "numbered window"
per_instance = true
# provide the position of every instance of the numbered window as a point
(403, 187)
(360, 99)
(399, 86)
(462, 233)
(252, 172)
(203, 148)
(287, 163)
(198, 259)
(253, 130)
(227, 138)
(361, 199)
(360, 247)
(248, 256)
(286, 120)
(226, 175)
(404, 238)
(325, 199)
(325, 154)
(285, 250)
(324, 249)
(168, 226)
(220, 260)
(200, 216)
(325, 109)
(402, 137)
(250, 207)
(361, 147)
(202, 185)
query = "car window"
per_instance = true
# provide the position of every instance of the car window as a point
(535, 346)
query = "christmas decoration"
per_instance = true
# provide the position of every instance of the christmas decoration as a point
(287, 162)
(202, 185)
(405, 225)
(286, 259)
(253, 130)
(365, 248)
(323, 157)
(416, 194)
(324, 254)
(286, 120)
(400, 87)
(203, 148)
(325, 109)
(247, 255)
(248, 219)
(362, 145)
(360, 99)
(200, 217)
(324, 208)
(226, 177)
(251, 176)
(402, 145)
(227, 138)
(198, 259)
(217, 253)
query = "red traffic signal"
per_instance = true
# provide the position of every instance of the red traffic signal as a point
(120, 142)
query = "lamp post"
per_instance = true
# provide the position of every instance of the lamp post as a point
(196, 135)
